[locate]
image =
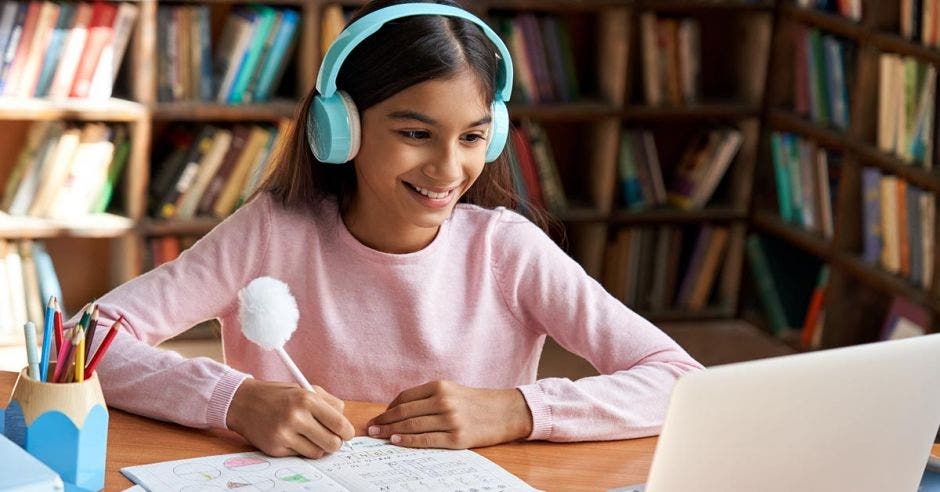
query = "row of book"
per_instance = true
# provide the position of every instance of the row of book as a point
(543, 58)
(534, 172)
(846, 8)
(658, 268)
(671, 50)
(692, 181)
(211, 170)
(63, 49)
(27, 280)
(898, 226)
(920, 21)
(906, 96)
(66, 170)
(163, 249)
(806, 177)
(244, 66)
(820, 73)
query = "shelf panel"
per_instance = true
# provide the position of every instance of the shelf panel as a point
(552, 5)
(686, 315)
(808, 241)
(705, 110)
(698, 6)
(871, 155)
(582, 110)
(207, 111)
(12, 108)
(195, 227)
(834, 23)
(90, 226)
(656, 216)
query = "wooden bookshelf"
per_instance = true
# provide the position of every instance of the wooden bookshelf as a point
(859, 291)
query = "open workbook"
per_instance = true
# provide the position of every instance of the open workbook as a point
(362, 464)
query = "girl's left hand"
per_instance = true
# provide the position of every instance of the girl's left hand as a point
(444, 414)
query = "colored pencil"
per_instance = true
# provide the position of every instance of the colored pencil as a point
(72, 348)
(95, 359)
(61, 360)
(80, 358)
(57, 325)
(46, 341)
(29, 330)
(90, 331)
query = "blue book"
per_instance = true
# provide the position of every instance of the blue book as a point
(781, 176)
(273, 67)
(6, 58)
(54, 52)
(835, 79)
(205, 34)
(45, 270)
(264, 19)
(21, 472)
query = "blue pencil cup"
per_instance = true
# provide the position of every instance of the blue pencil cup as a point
(64, 425)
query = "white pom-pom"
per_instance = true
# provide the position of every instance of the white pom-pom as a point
(268, 312)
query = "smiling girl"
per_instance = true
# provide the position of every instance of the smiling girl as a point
(415, 285)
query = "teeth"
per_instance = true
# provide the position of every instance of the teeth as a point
(431, 194)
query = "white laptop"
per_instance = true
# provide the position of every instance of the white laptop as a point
(860, 418)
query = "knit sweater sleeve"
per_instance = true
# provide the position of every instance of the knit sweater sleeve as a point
(201, 284)
(551, 294)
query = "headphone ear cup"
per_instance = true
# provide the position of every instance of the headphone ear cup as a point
(499, 130)
(333, 128)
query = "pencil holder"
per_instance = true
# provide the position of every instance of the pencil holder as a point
(64, 425)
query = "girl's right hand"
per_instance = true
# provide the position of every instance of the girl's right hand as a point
(282, 419)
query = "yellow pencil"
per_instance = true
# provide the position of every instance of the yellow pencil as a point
(80, 358)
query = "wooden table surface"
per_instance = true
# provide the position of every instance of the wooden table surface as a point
(134, 440)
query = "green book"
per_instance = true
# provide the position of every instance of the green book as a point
(265, 17)
(122, 150)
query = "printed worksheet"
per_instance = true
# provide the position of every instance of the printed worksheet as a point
(363, 464)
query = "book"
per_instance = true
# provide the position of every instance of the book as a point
(11, 42)
(263, 20)
(72, 49)
(106, 72)
(56, 44)
(362, 463)
(45, 27)
(208, 166)
(100, 36)
(45, 272)
(767, 291)
(55, 170)
(905, 319)
(21, 50)
(34, 301)
(228, 197)
(22, 472)
(276, 62)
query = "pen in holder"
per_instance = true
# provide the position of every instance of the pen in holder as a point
(64, 425)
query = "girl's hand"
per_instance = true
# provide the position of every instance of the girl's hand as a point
(443, 414)
(283, 419)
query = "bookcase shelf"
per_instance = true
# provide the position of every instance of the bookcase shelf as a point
(691, 112)
(94, 226)
(575, 111)
(191, 227)
(12, 108)
(806, 240)
(656, 216)
(200, 111)
(697, 6)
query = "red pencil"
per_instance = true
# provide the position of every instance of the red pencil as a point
(90, 366)
(57, 323)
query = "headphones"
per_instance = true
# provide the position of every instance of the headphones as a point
(333, 121)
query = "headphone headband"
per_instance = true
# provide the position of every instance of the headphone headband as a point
(356, 32)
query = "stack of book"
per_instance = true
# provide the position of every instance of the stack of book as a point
(671, 59)
(63, 49)
(806, 176)
(906, 93)
(212, 173)
(542, 57)
(898, 226)
(27, 279)
(920, 21)
(820, 71)
(846, 8)
(643, 266)
(66, 170)
(246, 65)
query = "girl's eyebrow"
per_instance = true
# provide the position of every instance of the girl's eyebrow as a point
(414, 115)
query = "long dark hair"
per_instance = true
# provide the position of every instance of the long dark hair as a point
(402, 53)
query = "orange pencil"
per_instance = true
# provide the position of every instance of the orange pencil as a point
(95, 359)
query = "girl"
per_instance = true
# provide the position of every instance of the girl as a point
(414, 286)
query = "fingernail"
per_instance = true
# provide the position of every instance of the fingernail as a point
(374, 430)
(396, 438)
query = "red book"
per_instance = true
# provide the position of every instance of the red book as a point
(100, 34)
(811, 321)
(527, 166)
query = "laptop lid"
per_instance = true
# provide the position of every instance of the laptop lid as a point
(859, 418)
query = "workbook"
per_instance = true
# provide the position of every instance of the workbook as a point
(362, 464)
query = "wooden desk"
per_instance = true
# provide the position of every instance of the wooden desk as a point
(134, 440)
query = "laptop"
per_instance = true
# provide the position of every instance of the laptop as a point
(860, 418)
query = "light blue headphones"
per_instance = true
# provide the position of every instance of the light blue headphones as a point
(333, 121)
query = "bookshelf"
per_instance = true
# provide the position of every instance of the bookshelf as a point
(859, 290)
(97, 253)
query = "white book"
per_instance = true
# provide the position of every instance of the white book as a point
(87, 173)
(14, 270)
(207, 169)
(71, 53)
(22, 472)
(102, 82)
(242, 30)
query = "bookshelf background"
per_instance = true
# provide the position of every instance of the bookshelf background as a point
(744, 82)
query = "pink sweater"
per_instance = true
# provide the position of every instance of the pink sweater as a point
(472, 307)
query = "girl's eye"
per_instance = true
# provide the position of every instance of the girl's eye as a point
(474, 138)
(415, 134)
